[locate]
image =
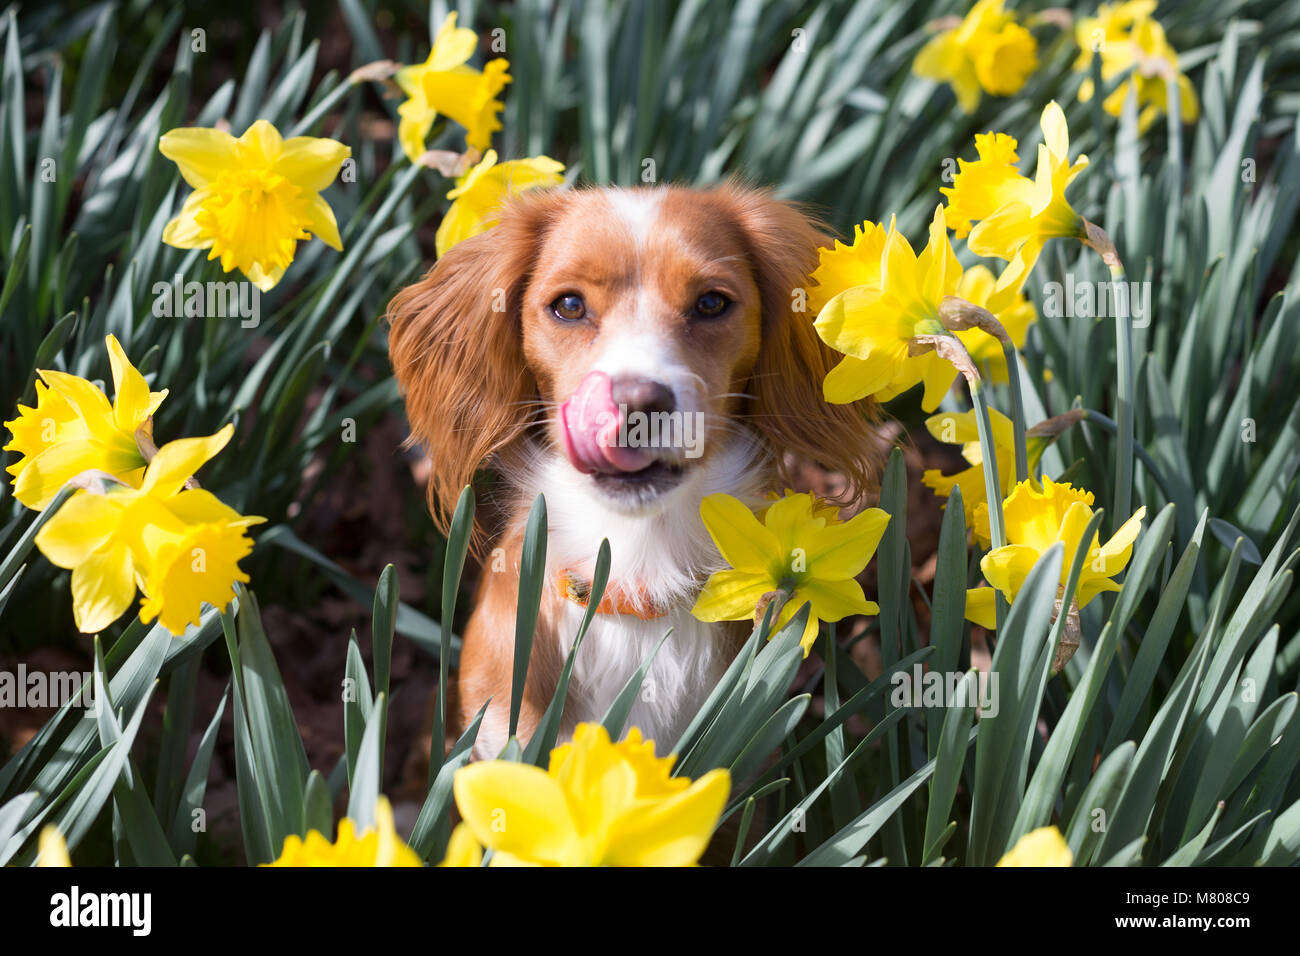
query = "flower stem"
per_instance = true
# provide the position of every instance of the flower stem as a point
(1095, 237)
(1017, 410)
(992, 485)
(1123, 398)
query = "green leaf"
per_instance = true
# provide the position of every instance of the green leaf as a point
(532, 576)
(1001, 751)
(363, 789)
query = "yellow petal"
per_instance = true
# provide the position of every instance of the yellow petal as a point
(834, 600)
(1042, 847)
(1007, 567)
(79, 528)
(103, 587)
(746, 544)
(981, 607)
(51, 849)
(413, 126)
(731, 595)
(44, 475)
(321, 222)
(184, 231)
(452, 46)
(311, 162)
(462, 848)
(389, 849)
(843, 550)
(260, 146)
(202, 154)
(674, 831)
(177, 461)
(519, 809)
(1056, 134)
(854, 378)
(599, 785)
(85, 397)
(133, 403)
(938, 378)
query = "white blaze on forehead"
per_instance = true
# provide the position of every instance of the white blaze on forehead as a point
(632, 346)
(637, 209)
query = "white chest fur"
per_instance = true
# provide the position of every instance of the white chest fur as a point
(665, 553)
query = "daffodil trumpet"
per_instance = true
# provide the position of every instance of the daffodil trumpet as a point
(958, 315)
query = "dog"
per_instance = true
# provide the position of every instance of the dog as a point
(543, 348)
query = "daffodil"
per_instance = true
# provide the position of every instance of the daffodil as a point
(181, 544)
(481, 192)
(375, 846)
(1042, 847)
(959, 428)
(1037, 518)
(986, 51)
(1126, 37)
(597, 804)
(797, 547)
(1010, 216)
(875, 296)
(51, 848)
(444, 85)
(254, 197)
(73, 429)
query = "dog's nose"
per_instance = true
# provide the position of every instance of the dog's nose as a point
(643, 395)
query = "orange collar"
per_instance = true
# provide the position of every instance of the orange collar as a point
(615, 600)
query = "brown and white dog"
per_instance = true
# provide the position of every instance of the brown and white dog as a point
(532, 347)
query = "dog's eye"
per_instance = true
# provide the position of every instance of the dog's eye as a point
(569, 307)
(711, 305)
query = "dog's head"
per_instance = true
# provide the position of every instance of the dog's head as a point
(633, 332)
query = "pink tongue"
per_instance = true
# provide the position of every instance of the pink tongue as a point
(590, 420)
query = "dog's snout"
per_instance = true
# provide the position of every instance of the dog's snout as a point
(643, 395)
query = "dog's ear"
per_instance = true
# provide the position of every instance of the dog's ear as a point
(789, 409)
(456, 346)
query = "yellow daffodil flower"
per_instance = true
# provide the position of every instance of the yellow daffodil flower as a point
(796, 546)
(1014, 216)
(987, 51)
(73, 428)
(894, 295)
(443, 84)
(1035, 519)
(51, 848)
(597, 804)
(959, 428)
(254, 197)
(1126, 37)
(480, 193)
(183, 546)
(1042, 847)
(983, 186)
(377, 846)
